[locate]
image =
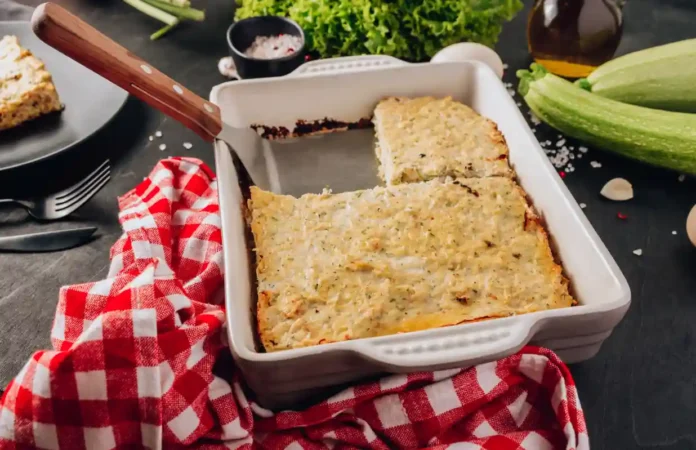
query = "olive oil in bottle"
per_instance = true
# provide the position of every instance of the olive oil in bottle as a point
(571, 38)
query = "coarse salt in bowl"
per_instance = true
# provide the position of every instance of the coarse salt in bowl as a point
(272, 47)
(266, 46)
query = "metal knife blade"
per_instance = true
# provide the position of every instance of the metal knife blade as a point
(47, 241)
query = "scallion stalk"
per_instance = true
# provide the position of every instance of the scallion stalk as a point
(153, 12)
(161, 32)
(181, 3)
(179, 11)
(170, 12)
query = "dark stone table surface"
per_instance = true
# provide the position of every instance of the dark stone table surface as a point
(638, 392)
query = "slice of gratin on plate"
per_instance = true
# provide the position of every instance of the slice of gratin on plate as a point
(398, 259)
(26, 87)
(423, 138)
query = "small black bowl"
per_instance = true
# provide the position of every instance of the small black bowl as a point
(242, 34)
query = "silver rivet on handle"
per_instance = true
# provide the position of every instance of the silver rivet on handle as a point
(178, 89)
(208, 108)
(146, 69)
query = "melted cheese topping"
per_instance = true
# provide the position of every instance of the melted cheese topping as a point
(424, 138)
(398, 259)
(26, 88)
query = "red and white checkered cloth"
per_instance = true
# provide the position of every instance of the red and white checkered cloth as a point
(140, 361)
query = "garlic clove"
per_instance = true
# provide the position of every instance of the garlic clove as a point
(691, 225)
(618, 190)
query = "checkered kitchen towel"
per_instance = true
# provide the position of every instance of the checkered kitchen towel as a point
(139, 361)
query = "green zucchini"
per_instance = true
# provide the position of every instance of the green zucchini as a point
(662, 77)
(662, 138)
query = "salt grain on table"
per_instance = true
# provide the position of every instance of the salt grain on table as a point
(595, 164)
(188, 145)
(681, 178)
(163, 147)
(151, 138)
(674, 233)
(158, 133)
(638, 252)
(583, 206)
(582, 149)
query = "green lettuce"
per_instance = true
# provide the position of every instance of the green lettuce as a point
(413, 30)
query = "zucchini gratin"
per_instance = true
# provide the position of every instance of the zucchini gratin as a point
(408, 256)
(26, 87)
(398, 259)
(423, 138)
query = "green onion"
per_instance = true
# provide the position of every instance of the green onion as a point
(181, 3)
(179, 11)
(153, 12)
(159, 33)
(170, 12)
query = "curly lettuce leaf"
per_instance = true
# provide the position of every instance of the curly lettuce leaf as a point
(413, 30)
(251, 8)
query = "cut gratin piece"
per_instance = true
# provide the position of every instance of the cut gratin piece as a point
(26, 87)
(423, 138)
(398, 259)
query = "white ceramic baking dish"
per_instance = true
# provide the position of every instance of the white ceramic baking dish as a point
(347, 89)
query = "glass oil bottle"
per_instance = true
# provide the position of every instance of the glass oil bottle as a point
(573, 37)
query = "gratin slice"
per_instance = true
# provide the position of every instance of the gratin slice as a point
(26, 87)
(397, 259)
(423, 138)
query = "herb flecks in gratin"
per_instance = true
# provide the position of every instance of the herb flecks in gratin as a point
(398, 259)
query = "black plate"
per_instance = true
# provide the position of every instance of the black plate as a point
(90, 103)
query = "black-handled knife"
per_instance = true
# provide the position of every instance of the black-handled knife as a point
(47, 241)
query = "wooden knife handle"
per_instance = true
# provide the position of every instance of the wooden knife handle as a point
(83, 43)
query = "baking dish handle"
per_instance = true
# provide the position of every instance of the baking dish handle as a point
(346, 64)
(450, 347)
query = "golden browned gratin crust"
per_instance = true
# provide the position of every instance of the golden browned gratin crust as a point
(398, 259)
(26, 87)
(423, 138)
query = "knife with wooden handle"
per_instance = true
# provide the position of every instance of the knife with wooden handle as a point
(47, 241)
